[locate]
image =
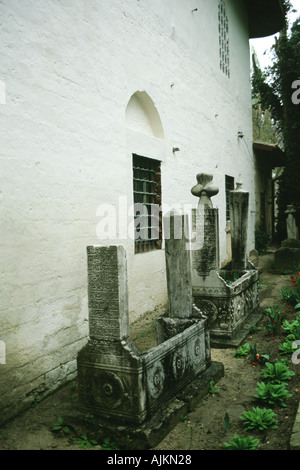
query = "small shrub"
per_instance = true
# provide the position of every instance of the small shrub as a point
(238, 442)
(287, 348)
(291, 327)
(276, 373)
(259, 419)
(274, 394)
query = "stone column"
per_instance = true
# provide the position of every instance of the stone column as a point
(239, 206)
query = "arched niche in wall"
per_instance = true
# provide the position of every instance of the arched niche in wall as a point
(144, 130)
(142, 116)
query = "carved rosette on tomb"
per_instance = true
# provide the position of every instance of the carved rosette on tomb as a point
(229, 296)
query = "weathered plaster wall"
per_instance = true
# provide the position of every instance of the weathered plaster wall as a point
(70, 70)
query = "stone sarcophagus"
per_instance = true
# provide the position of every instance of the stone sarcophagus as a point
(228, 304)
(114, 380)
(229, 296)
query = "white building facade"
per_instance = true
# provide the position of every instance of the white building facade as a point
(85, 85)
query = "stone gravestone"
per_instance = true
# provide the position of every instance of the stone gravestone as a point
(117, 383)
(182, 312)
(109, 369)
(229, 297)
(205, 224)
(287, 257)
(239, 206)
(178, 266)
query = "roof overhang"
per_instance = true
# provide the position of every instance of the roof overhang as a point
(270, 154)
(266, 17)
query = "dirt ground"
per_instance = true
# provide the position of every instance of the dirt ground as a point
(202, 429)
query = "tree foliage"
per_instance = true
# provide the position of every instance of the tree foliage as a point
(273, 90)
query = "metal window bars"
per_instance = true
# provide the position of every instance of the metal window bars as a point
(147, 201)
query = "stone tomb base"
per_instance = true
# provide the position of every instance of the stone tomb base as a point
(118, 383)
(150, 433)
(232, 307)
(141, 395)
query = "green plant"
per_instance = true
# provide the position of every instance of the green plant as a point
(274, 394)
(226, 421)
(262, 240)
(287, 295)
(108, 445)
(60, 426)
(238, 442)
(259, 419)
(276, 317)
(287, 346)
(85, 443)
(291, 295)
(276, 373)
(271, 90)
(266, 356)
(212, 388)
(291, 327)
(243, 350)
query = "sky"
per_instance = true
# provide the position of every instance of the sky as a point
(264, 44)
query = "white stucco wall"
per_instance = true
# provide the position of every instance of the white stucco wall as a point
(68, 70)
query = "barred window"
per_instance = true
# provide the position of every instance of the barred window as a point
(229, 186)
(223, 39)
(147, 203)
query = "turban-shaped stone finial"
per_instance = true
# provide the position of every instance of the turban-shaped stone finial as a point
(205, 189)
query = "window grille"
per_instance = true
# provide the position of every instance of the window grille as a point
(147, 203)
(229, 186)
(223, 39)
